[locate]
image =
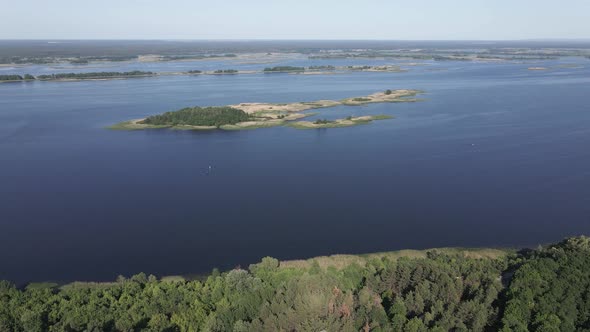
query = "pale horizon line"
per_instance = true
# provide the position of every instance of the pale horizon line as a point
(293, 39)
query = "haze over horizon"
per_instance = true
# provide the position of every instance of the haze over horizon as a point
(298, 20)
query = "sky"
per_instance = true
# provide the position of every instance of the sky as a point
(296, 19)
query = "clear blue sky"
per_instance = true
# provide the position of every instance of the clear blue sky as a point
(295, 19)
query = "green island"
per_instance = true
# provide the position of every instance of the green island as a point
(95, 75)
(16, 78)
(75, 76)
(283, 69)
(312, 70)
(322, 67)
(262, 115)
(338, 123)
(226, 71)
(195, 57)
(445, 289)
(386, 68)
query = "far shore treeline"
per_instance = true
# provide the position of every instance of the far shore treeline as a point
(547, 289)
(64, 76)
(283, 69)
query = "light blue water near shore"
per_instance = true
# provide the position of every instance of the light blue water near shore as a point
(496, 155)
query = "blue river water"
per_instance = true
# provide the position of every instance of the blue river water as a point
(495, 155)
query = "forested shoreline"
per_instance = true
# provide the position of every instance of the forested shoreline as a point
(546, 289)
(74, 76)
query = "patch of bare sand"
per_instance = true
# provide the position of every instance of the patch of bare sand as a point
(252, 108)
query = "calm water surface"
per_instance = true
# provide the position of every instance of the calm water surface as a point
(496, 155)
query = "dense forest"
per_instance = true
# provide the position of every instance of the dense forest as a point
(550, 290)
(199, 116)
(438, 290)
(94, 75)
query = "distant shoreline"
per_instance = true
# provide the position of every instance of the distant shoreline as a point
(382, 69)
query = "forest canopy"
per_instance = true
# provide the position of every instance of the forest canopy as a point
(199, 116)
(439, 290)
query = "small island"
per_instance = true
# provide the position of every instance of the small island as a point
(338, 123)
(76, 76)
(386, 69)
(16, 78)
(94, 76)
(225, 71)
(263, 115)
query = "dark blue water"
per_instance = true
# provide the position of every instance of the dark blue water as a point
(495, 156)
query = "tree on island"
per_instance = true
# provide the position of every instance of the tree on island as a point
(226, 71)
(283, 69)
(11, 78)
(199, 116)
(94, 75)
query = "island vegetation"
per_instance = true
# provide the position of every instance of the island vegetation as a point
(387, 68)
(349, 121)
(315, 70)
(283, 69)
(17, 78)
(263, 115)
(445, 289)
(75, 76)
(226, 71)
(199, 116)
(322, 67)
(195, 57)
(21, 60)
(9, 78)
(94, 75)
